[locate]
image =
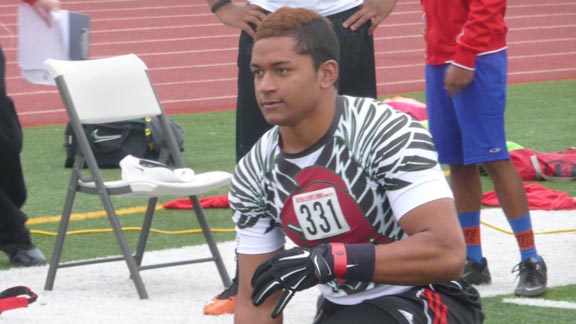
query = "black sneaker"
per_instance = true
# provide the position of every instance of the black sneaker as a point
(476, 273)
(24, 255)
(532, 278)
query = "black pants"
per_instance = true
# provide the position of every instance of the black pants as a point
(12, 186)
(452, 303)
(357, 78)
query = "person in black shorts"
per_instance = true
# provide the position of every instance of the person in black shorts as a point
(354, 23)
(354, 184)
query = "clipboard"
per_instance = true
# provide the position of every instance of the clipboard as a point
(79, 36)
(67, 39)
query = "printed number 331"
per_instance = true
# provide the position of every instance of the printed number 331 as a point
(319, 214)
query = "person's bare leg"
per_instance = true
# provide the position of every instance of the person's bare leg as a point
(508, 187)
(465, 183)
(510, 191)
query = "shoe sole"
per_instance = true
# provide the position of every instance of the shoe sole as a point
(486, 281)
(533, 293)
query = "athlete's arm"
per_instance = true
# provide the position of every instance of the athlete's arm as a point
(433, 252)
(246, 312)
(457, 79)
(239, 15)
(43, 8)
(374, 10)
(484, 23)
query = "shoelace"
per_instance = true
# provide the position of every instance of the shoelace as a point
(528, 272)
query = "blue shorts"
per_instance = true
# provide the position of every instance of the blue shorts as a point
(469, 127)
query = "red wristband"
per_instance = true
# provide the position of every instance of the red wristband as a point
(340, 259)
(352, 261)
(31, 2)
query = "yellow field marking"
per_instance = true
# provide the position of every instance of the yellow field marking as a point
(119, 212)
(88, 215)
(535, 233)
(142, 209)
(136, 229)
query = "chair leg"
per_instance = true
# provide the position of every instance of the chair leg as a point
(210, 240)
(63, 227)
(124, 248)
(144, 233)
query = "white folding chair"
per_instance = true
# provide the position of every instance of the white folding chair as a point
(110, 90)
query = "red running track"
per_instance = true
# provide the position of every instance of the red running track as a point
(192, 57)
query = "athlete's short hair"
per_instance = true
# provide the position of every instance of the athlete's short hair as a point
(313, 33)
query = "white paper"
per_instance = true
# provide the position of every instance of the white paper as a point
(38, 42)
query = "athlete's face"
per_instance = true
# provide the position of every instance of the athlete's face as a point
(286, 83)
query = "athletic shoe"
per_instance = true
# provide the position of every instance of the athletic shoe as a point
(476, 273)
(533, 277)
(24, 255)
(225, 302)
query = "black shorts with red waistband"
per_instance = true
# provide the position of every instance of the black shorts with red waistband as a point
(454, 302)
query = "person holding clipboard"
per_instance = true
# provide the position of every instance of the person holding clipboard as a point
(15, 240)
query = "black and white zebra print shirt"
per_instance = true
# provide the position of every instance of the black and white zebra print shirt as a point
(372, 166)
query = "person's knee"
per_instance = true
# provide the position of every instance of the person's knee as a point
(463, 171)
(496, 169)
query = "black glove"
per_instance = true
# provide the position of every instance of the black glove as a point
(291, 271)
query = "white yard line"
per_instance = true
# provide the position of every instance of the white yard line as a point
(538, 302)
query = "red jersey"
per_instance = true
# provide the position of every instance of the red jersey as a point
(457, 31)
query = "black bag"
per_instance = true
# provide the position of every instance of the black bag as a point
(111, 142)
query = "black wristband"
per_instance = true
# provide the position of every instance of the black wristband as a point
(219, 4)
(361, 261)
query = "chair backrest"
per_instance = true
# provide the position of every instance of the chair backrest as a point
(106, 90)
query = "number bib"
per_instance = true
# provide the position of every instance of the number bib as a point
(319, 214)
(322, 210)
